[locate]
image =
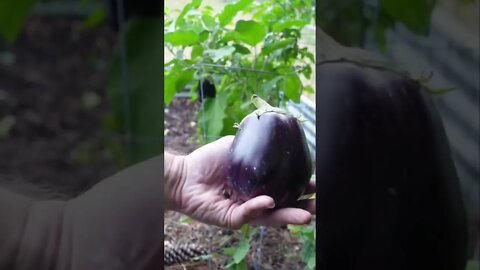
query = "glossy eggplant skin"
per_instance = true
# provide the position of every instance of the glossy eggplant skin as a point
(269, 156)
(388, 196)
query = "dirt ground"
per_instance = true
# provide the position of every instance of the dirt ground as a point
(279, 249)
(52, 106)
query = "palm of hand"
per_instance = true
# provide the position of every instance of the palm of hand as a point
(202, 195)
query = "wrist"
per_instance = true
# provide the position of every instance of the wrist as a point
(174, 175)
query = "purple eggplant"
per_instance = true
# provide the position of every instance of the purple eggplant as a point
(388, 195)
(269, 156)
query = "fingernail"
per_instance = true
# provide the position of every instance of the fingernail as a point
(272, 205)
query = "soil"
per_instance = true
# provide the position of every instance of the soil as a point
(52, 88)
(279, 249)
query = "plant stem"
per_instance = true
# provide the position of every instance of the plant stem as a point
(260, 103)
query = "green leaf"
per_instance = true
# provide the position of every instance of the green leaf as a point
(230, 11)
(288, 23)
(307, 71)
(95, 19)
(295, 229)
(473, 265)
(250, 32)
(208, 22)
(220, 53)
(197, 51)
(383, 23)
(212, 120)
(241, 251)
(241, 49)
(414, 14)
(181, 38)
(242, 265)
(144, 92)
(203, 36)
(13, 14)
(196, 3)
(180, 21)
(229, 251)
(305, 53)
(311, 261)
(439, 91)
(293, 87)
(278, 45)
(269, 85)
(230, 35)
(309, 89)
(231, 266)
(175, 81)
(186, 220)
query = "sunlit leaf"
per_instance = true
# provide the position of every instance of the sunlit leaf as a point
(230, 11)
(241, 251)
(250, 32)
(208, 22)
(220, 53)
(197, 51)
(278, 45)
(293, 87)
(181, 38)
(241, 49)
(212, 119)
(289, 23)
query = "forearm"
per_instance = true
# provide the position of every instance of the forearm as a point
(174, 174)
(29, 231)
(84, 232)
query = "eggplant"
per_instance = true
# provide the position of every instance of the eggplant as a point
(208, 88)
(269, 156)
(388, 195)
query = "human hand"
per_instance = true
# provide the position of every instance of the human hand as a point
(199, 193)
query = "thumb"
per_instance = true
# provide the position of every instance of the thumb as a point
(250, 209)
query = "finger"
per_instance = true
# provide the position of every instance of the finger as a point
(250, 209)
(294, 216)
(225, 141)
(308, 205)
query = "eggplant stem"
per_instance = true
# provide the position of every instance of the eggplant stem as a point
(260, 103)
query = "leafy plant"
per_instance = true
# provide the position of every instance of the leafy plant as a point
(136, 109)
(348, 21)
(259, 53)
(240, 252)
(307, 236)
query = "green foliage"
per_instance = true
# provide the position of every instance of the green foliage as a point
(240, 252)
(256, 54)
(139, 113)
(97, 17)
(473, 265)
(347, 21)
(307, 236)
(13, 14)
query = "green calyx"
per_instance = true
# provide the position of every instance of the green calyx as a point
(263, 107)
